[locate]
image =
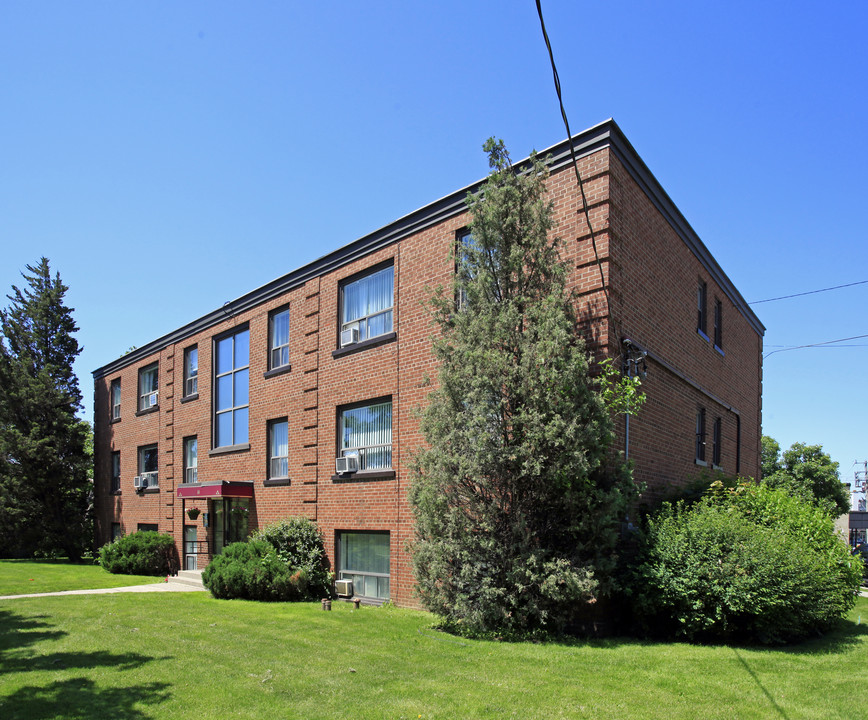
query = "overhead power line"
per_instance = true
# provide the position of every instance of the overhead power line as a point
(575, 161)
(820, 344)
(810, 292)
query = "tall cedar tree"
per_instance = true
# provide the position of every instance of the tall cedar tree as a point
(44, 466)
(517, 498)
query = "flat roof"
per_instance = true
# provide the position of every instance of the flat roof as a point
(607, 134)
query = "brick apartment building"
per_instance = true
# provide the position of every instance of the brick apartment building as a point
(242, 413)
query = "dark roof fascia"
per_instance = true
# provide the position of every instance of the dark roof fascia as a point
(605, 134)
(637, 168)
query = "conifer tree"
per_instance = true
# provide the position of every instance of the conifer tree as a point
(44, 467)
(517, 497)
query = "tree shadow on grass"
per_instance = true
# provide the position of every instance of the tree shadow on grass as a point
(74, 661)
(18, 631)
(72, 698)
(81, 698)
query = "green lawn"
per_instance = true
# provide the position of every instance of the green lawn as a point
(186, 655)
(19, 577)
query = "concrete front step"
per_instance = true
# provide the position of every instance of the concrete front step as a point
(192, 578)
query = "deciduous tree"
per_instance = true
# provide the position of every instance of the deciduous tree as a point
(805, 471)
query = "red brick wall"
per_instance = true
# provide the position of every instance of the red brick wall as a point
(654, 297)
(653, 285)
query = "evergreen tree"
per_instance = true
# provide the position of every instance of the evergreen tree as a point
(517, 498)
(44, 467)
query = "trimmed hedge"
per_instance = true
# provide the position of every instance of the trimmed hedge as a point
(284, 561)
(141, 553)
(750, 564)
(253, 571)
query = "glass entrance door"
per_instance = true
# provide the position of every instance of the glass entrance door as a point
(230, 521)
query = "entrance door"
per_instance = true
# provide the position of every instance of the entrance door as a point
(230, 521)
(191, 548)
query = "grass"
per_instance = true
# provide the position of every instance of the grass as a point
(20, 577)
(186, 655)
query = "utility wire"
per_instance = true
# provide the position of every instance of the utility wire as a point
(576, 164)
(821, 344)
(810, 292)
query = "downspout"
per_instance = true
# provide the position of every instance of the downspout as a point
(633, 347)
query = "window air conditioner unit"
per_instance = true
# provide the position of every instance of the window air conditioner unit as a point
(350, 336)
(344, 588)
(153, 399)
(150, 479)
(346, 464)
(137, 482)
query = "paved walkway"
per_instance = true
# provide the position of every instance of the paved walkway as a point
(151, 587)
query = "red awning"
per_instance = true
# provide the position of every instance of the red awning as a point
(221, 488)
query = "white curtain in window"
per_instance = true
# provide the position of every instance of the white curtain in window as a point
(365, 553)
(280, 329)
(369, 429)
(369, 295)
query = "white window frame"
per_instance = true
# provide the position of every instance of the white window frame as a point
(363, 452)
(278, 465)
(115, 398)
(232, 408)
(149, 398)
(191, 463)
(278, 355)
(191, 374)
(362, 323)
(356, 574)
(153, 475)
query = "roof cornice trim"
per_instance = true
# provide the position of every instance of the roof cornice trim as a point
(605, 134)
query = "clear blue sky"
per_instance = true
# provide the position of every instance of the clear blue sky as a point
(169, 156)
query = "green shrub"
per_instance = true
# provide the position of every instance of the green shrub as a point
(749, 564)
(253, 571)
(141, 553)
(299, 543)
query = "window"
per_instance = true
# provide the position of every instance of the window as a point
(149, 465)
(148, 388)
(191, 371)
(700, 435)
(115, 395)
(366, 306)
(366, 433)
(715, 442)
(701, 301)
(149, 527)
(191, 460)
(231, 394)
(278, 449)
(117, 533)
(464, 239)
(364, 559)
(116, 472)
(278, 339)
(718, 324)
